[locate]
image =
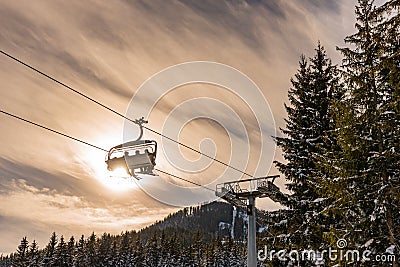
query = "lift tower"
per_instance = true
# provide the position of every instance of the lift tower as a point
(243, 193)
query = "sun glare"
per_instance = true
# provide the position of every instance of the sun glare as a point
(119, 172)
(117, 180)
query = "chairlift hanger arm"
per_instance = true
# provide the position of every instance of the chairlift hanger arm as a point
(140, 123)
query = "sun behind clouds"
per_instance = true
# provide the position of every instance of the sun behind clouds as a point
(93, 162)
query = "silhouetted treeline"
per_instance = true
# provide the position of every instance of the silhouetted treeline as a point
(189, 237)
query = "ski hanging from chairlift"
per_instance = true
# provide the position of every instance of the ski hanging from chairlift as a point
(135, 157)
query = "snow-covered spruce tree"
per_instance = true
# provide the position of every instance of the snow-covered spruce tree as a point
(390, 32)
(5, 261)
(365, 184)
(33, 254)
(314, 88)
(152, 250)
(49, 251)
(80, 259)
(124, 250)
(70, 251)
(104, 256)
(60, 254)
(91, 248)
(21, 256)
(138, 251)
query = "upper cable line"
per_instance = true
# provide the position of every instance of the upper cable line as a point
(118, 113)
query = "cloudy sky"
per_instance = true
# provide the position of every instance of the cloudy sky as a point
(107, 51)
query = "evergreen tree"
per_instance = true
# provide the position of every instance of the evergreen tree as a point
(105, 250)
(49, 259)
(34, 255)
(138, 252)
(61, 253)
(91, 248)
(70, 252)
(113, 259)
(21, 257)
(314, 89)
(5, 261)
(165, 255)
(211, 253)
(152, 251)
(221, 255)
(80, 254)
(365, 181)
(125, 251)
(197, 249)
(232, 254)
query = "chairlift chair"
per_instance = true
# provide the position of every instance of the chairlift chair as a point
(136, 157)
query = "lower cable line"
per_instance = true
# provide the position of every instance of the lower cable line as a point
(91, 145)
(51, 130)
(183, 179)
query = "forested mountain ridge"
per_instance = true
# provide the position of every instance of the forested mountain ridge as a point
(216, 218)
(194, 236)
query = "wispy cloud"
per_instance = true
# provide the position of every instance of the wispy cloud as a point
(38, 202)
